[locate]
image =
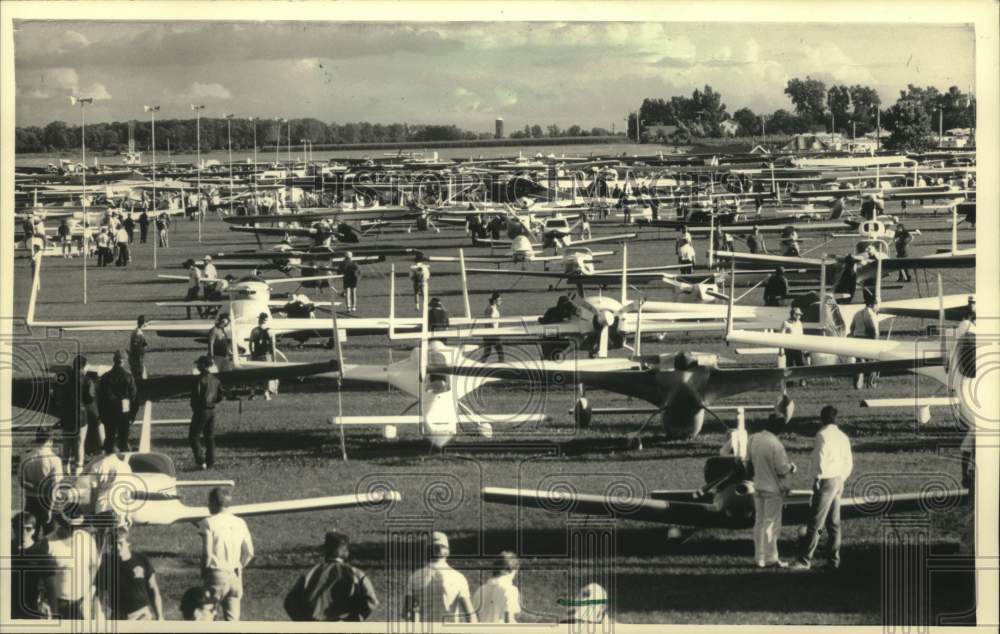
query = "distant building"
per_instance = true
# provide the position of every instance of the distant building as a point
(816, 142)
(729, 128)
(498, 134)
(659, 131)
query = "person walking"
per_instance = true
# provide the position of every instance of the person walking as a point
(143, 227)
(499, 600)
(492, 313)
(770, 467)
(218, 343)
(207, 391)
(126, 583)
(262, 349)
(332, 590)
(437, 592)
(115, 398)
(832, 463)
(227, 548)
(41, 470)
(351, 272)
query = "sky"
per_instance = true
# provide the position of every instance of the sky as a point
(461, 73)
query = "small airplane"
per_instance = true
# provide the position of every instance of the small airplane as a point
(956, 370)
(148, 496)
(725, 501)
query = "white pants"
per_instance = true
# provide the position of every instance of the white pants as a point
(767, 526)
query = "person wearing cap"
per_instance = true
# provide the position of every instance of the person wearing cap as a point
(499, 600)
(351, 272)
(865, 326)
(419, 274)
(793, 326)
(332, 590)
(126, 583)
(115, 398)
(137, 345)
(29, 568)
(198, 604)
(438, 592)
(589, 606)
(205, 393)
(776, 289)
(218, 343)
(227, 548)
(40, 471)
(493, 314)
(75, 559)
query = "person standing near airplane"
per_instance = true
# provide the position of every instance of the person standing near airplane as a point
(776, 288)
(262, 349)
(419, 274)
(204, 395)
(351, 272)
(137, 345)
(227, 548)
(755, 241)
(493, 314)
(115, 396)
(865, 326)
(832, 463)
(437, 592)
(686, 255)
(793, 326)
(218, 343)
(901, 240)
(143, 226)
(333, 590)
(770, 467)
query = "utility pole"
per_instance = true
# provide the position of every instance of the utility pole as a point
(229, 133)
(83, 101)
(253, 120)
(152, 110)
(197, 119)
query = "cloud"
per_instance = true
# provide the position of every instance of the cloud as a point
(210, 92)
(58, 82)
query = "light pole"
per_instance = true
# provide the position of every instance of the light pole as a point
(288, 128)
(940, 126)
(229, 133)
(253, 120)
(83, 101)
(763, 130)
(152, 110)
(197, 119)
(277, 142)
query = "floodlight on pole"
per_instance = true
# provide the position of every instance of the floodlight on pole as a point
(83, 102)
(152, 110)
(229, 131)
(253, 120)
(197, 117)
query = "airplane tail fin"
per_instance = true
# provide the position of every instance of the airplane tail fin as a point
(624, 291)
(33, 297)
(465, 284)
(146, 435)
(732, 297)
(941, 329)
(392, 300)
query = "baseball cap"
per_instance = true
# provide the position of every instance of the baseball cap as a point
(439, 539)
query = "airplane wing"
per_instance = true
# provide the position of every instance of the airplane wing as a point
(618, 238)
(160, 387)
(356, 325)
(301, 232)
(772, 260)
(196, 513)
(894, 503)
(724, 382)
(956, 307)
(878, 349)
(485, 259)
(633, 508)
(364, 421)
(938, 261)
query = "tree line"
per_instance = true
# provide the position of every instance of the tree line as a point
(857, 109)
(182, 134)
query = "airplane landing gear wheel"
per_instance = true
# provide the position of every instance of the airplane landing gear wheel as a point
(582, 413)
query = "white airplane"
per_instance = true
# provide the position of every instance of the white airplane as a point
(957, 373)
(149, 495)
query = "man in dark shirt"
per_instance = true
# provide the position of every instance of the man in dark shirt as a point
(204, 395)
(755, 241)
(143, 227)
(218, 343)
(563, 311)
(332, 590)
(437, 315)
(78, 411)
(30, 564)
(129, 224)
(262, 349)
(847, 283)
(777, 288)
(137, 345)
(901, 240)
(115, 397)
(351, 271)
(126, 583)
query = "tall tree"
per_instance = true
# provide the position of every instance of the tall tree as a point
(748, 121)
(808, 96)
(911, 125)
(838, 101)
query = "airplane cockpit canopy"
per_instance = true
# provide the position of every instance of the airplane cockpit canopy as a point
(152, 463)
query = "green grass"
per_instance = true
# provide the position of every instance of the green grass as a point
(286, 449)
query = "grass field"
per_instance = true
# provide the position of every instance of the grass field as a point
(285, 449)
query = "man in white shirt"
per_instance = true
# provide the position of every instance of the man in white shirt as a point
(105, 471)
(793, 326)
(438, 592)
(41, 470)
(771, 468)
(686, 255)
(227, 548)
(492, 313)
(865, 326)
(75, 556)
(499, 600)
(832, 463)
